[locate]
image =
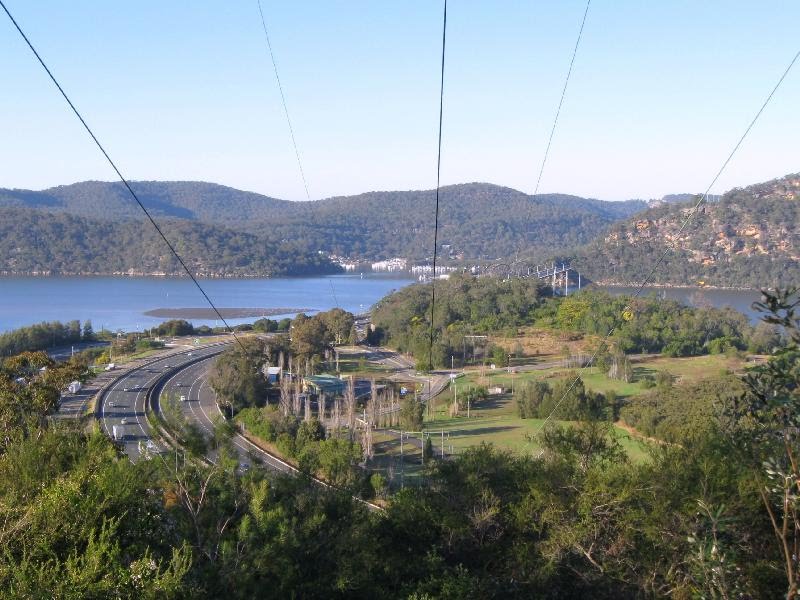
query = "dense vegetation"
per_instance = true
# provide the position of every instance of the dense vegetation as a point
(44, 335)
(238, 375)
(467, 305)
(477, 220)
(748, 238)
(702, 517)
(41, 242)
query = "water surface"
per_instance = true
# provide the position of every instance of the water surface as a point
(120, 302)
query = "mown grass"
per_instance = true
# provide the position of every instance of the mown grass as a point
(495, 419)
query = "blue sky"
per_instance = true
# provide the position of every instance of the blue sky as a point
(659, 95)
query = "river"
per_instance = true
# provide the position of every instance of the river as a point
(740, 300)
(120, 302)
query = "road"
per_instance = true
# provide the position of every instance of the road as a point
(200, 408)
(404, 369)
(124, 400)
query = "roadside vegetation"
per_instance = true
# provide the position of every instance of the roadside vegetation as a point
(703, 516)
(469, 307)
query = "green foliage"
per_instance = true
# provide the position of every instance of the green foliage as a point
(667, 413)
(465, 305)
(42, 336)
(702, 517)
(530, 397)
(745, 239)
(265, 325)
(468, 306)
(237, 378)
(43, 242)
(411, 414)
(174, 327)
(483, 219)
(142, 345)
(566, 400)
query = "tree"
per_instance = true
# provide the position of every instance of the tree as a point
(237, 377)
(411, 413)
(530, 397)
(310, 337)
(770, 420)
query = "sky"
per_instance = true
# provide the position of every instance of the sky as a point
(659, 95)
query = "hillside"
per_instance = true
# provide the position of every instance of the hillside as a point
(37, 242)
(749, 238)
(477, 220)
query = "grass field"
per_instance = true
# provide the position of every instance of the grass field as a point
(495, 419)
(684, 369)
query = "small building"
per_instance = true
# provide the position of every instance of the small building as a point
(324, 384)
(273, 373)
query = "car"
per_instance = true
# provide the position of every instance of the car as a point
(183, 398)
(124, 389)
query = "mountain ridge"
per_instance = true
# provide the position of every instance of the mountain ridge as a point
(749, 237)
(478, 220)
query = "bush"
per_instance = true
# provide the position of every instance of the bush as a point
(143, 345)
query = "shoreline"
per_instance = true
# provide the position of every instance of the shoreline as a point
(227, 313)
(181, 275)
(669, 286)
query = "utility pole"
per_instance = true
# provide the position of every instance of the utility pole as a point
(402, 463)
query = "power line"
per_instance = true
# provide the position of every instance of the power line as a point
(438, 181)
(283, 100)
(670, 244)
(563, 94)
(119, 174)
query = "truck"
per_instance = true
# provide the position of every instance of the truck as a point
(118, 432)
(74, 387)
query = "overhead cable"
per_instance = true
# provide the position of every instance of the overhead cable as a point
(119, 174)
(283, 100)
(561, 100)
(438, 184)
(671, 244)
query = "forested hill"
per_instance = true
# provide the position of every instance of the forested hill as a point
(477, 220)
(749, 238)
(193, 200)
(37, 242)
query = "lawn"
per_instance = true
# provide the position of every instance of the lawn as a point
(495, 419)
(687, 369)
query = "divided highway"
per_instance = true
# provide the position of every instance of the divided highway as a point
(124, 402)
(200, 407)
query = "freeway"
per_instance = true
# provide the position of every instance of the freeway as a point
(200, 407)
(123, 402)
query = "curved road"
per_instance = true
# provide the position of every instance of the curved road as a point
(200, 408)
(125, 400)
